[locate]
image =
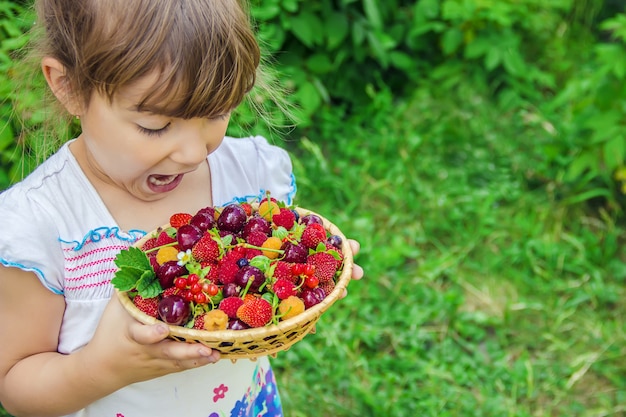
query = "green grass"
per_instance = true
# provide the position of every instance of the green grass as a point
(482, 296)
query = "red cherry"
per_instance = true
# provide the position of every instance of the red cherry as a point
(309, 269)
(195, 288)
(200, 298)
(311, 281)
(180, 283)
(193, 279)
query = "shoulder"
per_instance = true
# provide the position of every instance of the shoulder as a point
(247, 168)
(28, 219)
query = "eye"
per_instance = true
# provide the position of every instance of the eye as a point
(153, 132)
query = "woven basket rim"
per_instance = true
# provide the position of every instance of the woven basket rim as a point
(259, 333)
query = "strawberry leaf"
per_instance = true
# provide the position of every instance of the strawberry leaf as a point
(148, 285)
(125, 279)
(133, 258)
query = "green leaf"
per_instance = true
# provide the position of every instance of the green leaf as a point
(373, 14)
(126, 279)
(338, 28)
(133, 258)
(308, 28)
(148, 286)
(614, 153)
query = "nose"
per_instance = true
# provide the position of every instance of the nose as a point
(191, 147)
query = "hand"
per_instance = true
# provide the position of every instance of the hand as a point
(357, 271)
(130, 351)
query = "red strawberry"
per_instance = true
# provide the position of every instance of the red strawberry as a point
(206, 249)
(147, 305)
(164, 238)
(198, 322)
(328, 286)
(282, 270)
(284, 288)
(179, 219)
(170, 291)
(255, 313)
(313, 235)
(149, 244)
(247, 208)
(325, 266)
(284, 218)
(230, 305)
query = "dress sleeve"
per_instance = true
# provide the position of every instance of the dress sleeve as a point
(29, 240)
(277, 171)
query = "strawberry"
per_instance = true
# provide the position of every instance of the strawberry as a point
(255, 313)
(149, 244)
(284, 218)
(284, 288)
(282, 270)
(179, 219)
(247, 207)
(313, 235)
(325, 266)
(198, 322)
(328, 286)
(147, 305)
(164, 238)
(170, 291)
(230, 305)
(206, 249)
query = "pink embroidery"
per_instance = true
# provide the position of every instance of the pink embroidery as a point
(91, 275)
(91, 264)
(80, 287)
(113, 248)
(119, 415)
(220, 392)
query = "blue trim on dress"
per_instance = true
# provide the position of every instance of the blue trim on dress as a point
(37, 271)
(100, 233)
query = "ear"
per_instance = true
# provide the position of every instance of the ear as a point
(54, 72)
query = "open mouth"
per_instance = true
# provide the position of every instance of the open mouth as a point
(164, 183)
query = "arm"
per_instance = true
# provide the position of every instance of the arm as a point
(122, 352)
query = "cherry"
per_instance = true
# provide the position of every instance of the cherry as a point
(232, 218)
(168, 272)
(174, 310)
(188, 235)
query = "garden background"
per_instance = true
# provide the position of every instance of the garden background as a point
(476, 149)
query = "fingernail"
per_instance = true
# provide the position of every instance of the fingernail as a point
(205, 352)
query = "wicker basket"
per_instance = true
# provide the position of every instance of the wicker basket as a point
(262, 341)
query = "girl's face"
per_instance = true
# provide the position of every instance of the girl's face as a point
(145, 154)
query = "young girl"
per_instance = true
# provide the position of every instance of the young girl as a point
(153, 83)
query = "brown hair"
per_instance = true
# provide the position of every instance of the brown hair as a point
(204, 51)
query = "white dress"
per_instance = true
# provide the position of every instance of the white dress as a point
(55, 224)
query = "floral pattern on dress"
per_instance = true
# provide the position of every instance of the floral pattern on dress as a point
(262, 398)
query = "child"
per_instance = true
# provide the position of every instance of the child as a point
(153, 83)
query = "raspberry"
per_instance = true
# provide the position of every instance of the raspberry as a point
(165, 254)
(313, 235)
(229, 305)
(147, 305)
(273, 244)
(284, 218)
(283, 288)
(290, 307)
(325, 266)
(255, 313)
(215, 320)
(227, 271)
(179, 219)
(256, 238)
(268, 208)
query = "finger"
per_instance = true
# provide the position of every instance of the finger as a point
(355, 246)
(357, 272)
(147, 334)
(189, 354)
